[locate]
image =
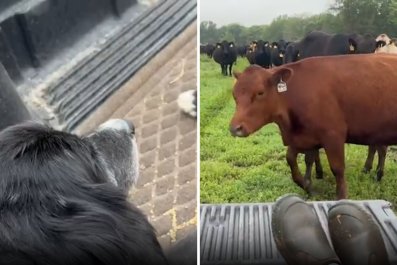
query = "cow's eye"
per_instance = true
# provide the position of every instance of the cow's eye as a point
(260, 94)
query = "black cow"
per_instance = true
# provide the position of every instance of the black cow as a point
(210, 50)
(203, 49)
(242, 50)
(250, 54)
(225, 54)
(278, 52)
(292, 52)
(263, 54)
(319, 43)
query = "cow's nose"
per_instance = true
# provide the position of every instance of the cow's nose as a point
(237, 130)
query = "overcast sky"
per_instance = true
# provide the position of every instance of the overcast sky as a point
(257, 12)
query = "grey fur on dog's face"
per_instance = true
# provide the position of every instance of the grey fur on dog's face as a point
(116, 144)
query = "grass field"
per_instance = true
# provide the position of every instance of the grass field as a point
(254, 169)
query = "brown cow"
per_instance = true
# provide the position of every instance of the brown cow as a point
(320, 102)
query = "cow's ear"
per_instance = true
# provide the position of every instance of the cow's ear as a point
(236, 74)
(283, 74)
(218, 45)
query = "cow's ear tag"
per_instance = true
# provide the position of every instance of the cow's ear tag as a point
(351, 48)
(281, 86)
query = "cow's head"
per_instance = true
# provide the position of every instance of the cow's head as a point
(225, 46)
(257, 98)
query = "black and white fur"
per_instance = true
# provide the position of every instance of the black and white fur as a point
(63, 198)
(187, 102)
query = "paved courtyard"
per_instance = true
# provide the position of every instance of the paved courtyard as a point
(166, 190)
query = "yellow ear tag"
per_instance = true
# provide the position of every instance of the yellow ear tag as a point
(351, 48)
(218, 46)
(281, 55)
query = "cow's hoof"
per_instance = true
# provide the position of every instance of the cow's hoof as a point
(379, 176)
(366, 170)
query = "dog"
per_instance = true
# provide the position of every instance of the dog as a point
(187, 102)
(63, 198)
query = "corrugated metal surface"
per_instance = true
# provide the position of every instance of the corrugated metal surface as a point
(79, 92)
(241, 233)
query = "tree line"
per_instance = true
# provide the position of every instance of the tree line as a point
(343, 16)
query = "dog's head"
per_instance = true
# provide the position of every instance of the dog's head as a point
(63, 198)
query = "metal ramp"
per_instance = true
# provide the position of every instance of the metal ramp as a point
(241, 233)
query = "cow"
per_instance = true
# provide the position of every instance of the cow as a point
(278, 52)
(292, 52)
(203, 49)
(312, 116)
(225, 54)
(262, 54)
(209, 49)
(319, 43)
(251, 52)
(242, 50)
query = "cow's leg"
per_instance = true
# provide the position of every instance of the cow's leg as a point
(382, 150)
(292, 154)
(336, 158)
(309, 161)
(317, 161)
(230, 69)
(370, 158)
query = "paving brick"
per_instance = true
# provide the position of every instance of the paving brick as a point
(168, 135)
(188, 140)
(188, 125)
(169, 121)
(171, 96)
(187, 157)
(187, 174)
(146, 176)
(142, 196)
(153, 103)
(147, 160)
(148, 144)
(165, 184)
(170, 108)
(187, 230)
(163, 203)
(166, 167)
(151, 115)
(146, 209)
(163, 224)
(165, 241)
(167, 151)
(185, 214)
(149, 130)
(186, 193)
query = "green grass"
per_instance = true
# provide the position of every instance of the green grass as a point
(254, 169)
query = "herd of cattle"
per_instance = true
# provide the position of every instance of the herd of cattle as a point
(269, 54)
(332, 100)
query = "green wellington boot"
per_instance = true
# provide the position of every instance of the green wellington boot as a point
(298, 233)
(355, 235)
